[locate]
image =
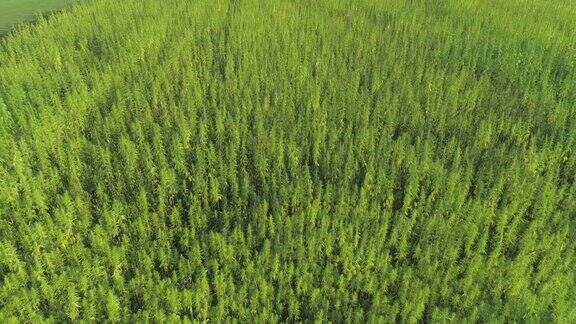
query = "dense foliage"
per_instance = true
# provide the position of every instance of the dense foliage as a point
(330, 160)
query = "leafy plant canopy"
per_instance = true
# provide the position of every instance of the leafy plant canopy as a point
(273, 161)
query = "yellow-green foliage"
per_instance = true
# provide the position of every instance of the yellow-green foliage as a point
(290, 160)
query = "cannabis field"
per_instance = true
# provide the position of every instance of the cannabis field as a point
(292, 160)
